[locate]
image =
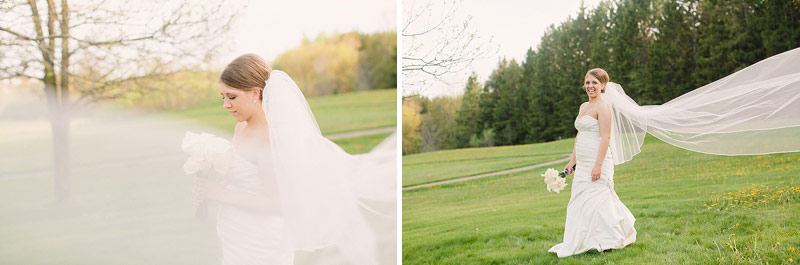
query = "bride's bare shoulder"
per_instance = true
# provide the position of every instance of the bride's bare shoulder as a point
(603, 106)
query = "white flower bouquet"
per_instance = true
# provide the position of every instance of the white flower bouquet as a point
(556, 181)
(207, 153)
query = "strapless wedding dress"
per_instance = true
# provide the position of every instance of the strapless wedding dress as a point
(250, 236)
(596, 218)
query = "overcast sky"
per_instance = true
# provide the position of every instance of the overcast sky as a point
(514, 26)
(268, 28)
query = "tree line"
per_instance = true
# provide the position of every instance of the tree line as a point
(329, 64)
(656, 49)
(341, 63)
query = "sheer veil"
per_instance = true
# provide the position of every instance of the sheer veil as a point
(750, 112)
(339, 206)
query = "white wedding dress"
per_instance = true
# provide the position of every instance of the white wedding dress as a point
(596, 218)
(251, 236)
(325, 206)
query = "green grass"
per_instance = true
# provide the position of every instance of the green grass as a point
(513, 219)
(355, 111)
(361, 144)
(335, 114)
(449, 164)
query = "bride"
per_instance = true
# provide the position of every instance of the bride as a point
(596, 218)
(751, 112)
(292, 196)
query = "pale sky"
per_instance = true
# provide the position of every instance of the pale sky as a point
(514, 26)
(268, 28)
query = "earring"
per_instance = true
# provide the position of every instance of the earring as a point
(254, 101)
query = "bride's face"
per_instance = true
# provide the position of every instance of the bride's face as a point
(592, 86)
(238, 102)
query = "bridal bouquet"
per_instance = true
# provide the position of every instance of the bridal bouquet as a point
(556, 181)
(207, 153)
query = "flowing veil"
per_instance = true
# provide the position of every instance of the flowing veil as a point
(750, 112)
(337, 206)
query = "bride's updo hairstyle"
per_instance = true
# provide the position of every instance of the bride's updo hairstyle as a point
(601, 76)
(247, 72)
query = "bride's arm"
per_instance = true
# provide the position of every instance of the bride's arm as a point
(604, 120)
(572, 158)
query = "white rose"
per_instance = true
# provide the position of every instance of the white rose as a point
(215, 145)
(560, 184)
(551, 180)
(190, 144)
(551, 173)
(550, 176)
(206, 151)
(193, 164)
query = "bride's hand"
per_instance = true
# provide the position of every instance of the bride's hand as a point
(209, 188)
(569, 166)
(596, 173)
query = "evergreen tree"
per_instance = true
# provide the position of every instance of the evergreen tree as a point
(467, 122)
(503, 84)
(631, 34)
(672, 54)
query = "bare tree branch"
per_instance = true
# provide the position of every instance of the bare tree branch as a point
(436, 45)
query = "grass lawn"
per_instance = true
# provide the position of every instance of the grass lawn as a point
(691, 208)
(355, 111)
(335, 114)
(449, 164)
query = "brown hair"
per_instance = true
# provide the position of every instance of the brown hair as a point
(246, 72)
(601, 76)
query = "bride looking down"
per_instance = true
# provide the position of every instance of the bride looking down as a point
(292, 196)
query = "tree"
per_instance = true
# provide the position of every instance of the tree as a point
(377, 63)
(324, 66)
(436, 45)
(81, 52)
(342, 63)
(467, 123)
(729, 39)
(779, 23)
(503, 84)
(672, 54)
(438, 122)
(631, 34)
(412, 142)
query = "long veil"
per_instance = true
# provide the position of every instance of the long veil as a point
(337, 206)
(750, 112)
